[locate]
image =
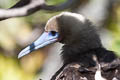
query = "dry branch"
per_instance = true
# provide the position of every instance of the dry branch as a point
(27, 7)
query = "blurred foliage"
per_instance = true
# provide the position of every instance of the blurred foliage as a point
(11, 33)
(10, 70)
(14, 35)
(114, 27)
(53, 2)
(7, 3)
(40, 17)
(34, 61)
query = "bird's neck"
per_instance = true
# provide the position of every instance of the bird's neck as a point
(85, 56)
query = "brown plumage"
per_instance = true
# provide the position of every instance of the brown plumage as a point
(79, 71)
(84, 57)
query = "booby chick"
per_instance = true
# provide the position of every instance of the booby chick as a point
(84, 57)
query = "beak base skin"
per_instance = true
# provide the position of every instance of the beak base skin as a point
(45, 39)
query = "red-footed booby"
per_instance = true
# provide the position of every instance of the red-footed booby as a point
(84, 57)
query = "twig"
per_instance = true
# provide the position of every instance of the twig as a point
(27, 7)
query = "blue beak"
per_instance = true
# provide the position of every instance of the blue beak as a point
(45, 39)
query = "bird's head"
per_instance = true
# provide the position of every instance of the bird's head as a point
(67, 28)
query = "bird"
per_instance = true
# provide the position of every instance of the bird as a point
(83, 55)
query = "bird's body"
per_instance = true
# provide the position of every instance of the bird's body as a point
(84, 57)
(87, 67)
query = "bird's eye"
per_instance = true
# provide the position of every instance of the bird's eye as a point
(53, 33)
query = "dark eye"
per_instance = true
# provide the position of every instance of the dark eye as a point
(53, 33)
